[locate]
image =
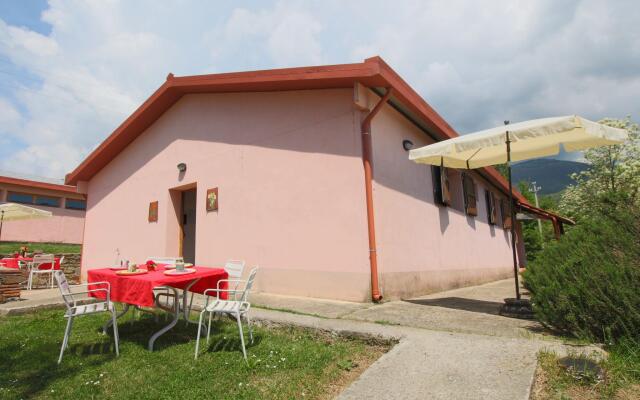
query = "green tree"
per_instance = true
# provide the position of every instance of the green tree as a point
(533, 241)
(614, 171)
(588, 283)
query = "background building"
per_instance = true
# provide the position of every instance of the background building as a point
(67, 206)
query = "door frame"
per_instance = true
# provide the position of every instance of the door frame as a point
(176, 195)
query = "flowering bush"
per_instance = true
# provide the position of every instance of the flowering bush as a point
(613, 170)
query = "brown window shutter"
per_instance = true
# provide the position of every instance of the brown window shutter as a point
(494, 210)
(441, 193)
(446, 188)
(491, 207)
(506, 214)
(469, 190)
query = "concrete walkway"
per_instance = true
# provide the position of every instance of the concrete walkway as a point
(432, 364)
(451, 345)
(467, 310)
(32, 300)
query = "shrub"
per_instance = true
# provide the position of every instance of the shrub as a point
(588, 283)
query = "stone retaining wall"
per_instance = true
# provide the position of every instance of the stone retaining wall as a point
(70, 265)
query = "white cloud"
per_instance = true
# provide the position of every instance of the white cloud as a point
(283, 36)
(476, 63)
(102, 59)
(30, 42)
(10, 118)
(481, 63)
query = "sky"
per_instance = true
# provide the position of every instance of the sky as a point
(72, 71)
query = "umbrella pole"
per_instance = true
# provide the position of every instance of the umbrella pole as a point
(513, 220)
(1, 221)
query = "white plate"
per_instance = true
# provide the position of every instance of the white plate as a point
(175, 272)
(173, 266)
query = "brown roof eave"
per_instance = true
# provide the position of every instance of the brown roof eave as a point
(37, 184)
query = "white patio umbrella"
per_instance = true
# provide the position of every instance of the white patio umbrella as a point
(16, 212)
(515, 142)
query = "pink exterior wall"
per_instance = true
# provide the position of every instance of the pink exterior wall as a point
(423, 247)
(289, 172)
(66, 226)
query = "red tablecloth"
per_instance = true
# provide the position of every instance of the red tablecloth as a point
(13, 262)
(138, 289)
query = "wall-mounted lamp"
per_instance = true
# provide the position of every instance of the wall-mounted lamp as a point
(407, 144)
(182, 167)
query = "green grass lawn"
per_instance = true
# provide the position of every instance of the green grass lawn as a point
(13, 247)
(284, 362)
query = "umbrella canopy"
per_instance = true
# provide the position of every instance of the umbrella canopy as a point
(520, 141)
(15, 212)
(529, 139)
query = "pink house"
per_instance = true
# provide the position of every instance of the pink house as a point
(312, 183)
(66, 205)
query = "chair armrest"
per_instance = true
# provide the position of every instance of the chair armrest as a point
(107, 289)
(237, 281)
(92, 290)
(225, 290)
(221, 290)
(91, 283)
(231, 280)
(235, 292)
(71, 287)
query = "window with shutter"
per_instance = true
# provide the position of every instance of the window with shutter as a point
(469, 194)
(441, 190)
(492, 216)
(506, 214)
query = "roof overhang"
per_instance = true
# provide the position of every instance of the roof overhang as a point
(37, 184)
(373, 73)
(544, 214)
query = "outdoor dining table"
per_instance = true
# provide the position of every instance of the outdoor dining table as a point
(14, 262)
(138, 290)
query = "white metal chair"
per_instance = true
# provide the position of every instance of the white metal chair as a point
(237, 305)
(41, 264)
(75, 310)
(234, 269)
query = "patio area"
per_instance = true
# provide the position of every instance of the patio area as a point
(459, 330)
(472, 309)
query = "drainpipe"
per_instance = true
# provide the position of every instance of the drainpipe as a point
(367, 161)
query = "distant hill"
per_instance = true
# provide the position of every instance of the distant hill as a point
(552, 175)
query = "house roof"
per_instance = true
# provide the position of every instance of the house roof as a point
(37, 184)
(373, 73)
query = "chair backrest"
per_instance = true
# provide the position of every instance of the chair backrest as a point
(63, 285)
(44, 261)
(164, 260)
(249, 284)
(234, 268)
